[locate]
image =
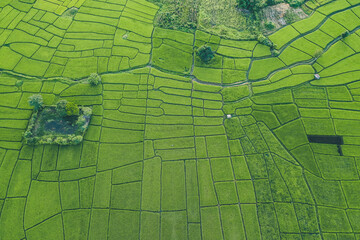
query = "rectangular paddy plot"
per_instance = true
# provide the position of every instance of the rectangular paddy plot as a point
(247, 146)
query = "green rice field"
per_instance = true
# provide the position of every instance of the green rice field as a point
(178, 149)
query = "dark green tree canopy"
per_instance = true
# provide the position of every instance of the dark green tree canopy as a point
(251, 4)
(61, 107)
(254, 5)
(205, 53)
(94, 79)
(72, 109)
(36, 101)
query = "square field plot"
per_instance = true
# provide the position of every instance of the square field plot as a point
(163, 57)
(116, 155)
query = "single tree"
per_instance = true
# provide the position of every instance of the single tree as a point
(72, 109)
(94, 79)
(345, 34)
(19, 83)
(318, 53)
(36, 101)
(205, 53)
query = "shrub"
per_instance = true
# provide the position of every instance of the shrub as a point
(28, 134)
(205, 53)
(61, 141)
(83, 128)
(36, 101)
(33, 120)
(81, 121)
(318, 53)
(47, 140)
(275, 53)
(75, 139)
(261, 38)
(61, 104)
(94, 79)
(72, 109)
(86, 111)
(345, 34)
(32, 140)
(70, 13)
(19, 83)
(265, 41)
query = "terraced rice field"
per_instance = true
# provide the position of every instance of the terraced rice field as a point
(161, 160)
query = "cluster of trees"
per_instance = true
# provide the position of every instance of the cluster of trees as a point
(255, 5)
(63, 107)
(66, 114)
(79, 117)
(267, 42)
(94, 79)
(51, 139)
(178, 14)
(205, 53)
(251, 5)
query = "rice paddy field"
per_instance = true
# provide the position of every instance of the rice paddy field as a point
(179, 149)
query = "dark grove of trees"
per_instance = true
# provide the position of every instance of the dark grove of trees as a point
(255, 5)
